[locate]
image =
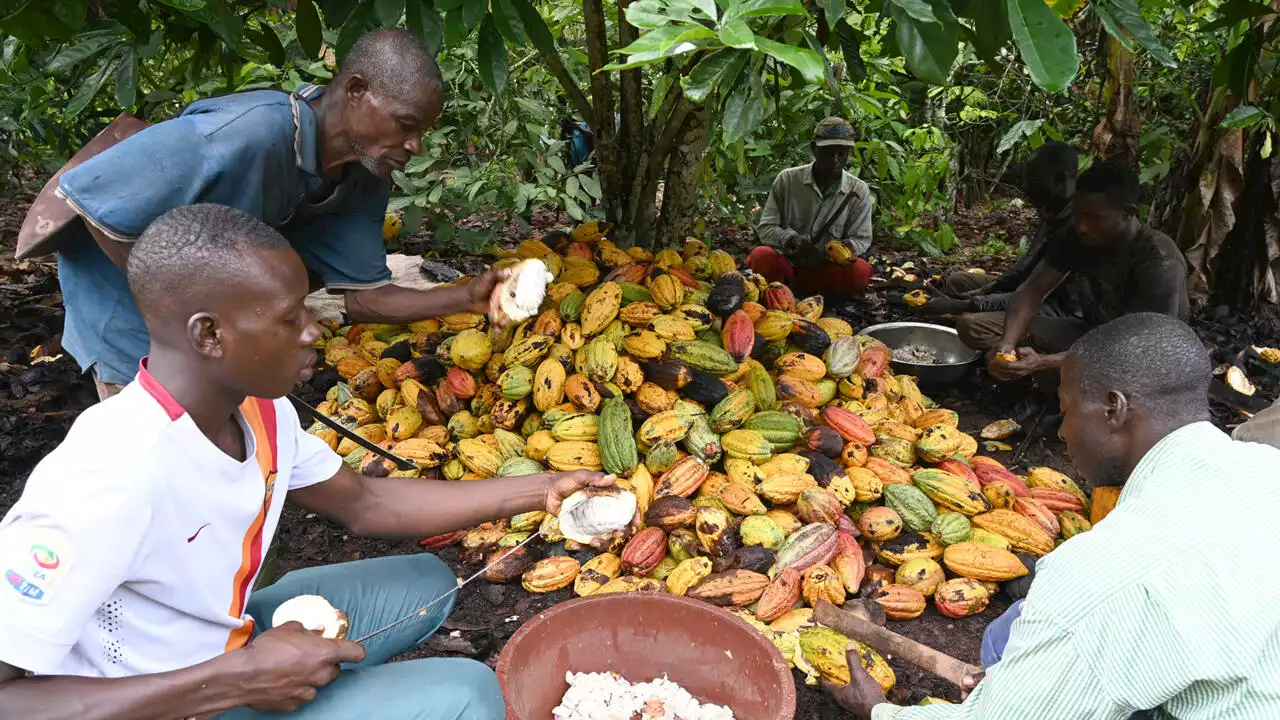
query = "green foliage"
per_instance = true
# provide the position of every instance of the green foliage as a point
(946, 95)
(490, 157)
(1047, 45)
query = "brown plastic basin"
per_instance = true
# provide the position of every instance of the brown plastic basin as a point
(713, 654)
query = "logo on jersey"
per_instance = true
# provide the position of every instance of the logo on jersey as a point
(45, 557)
(34, 559)
(24, 587)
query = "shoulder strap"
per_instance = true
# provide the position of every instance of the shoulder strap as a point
(831, 220)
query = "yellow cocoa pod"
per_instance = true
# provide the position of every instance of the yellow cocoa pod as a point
(538, 444)
(478, 457)
(667, 291)
(596, 573)
(550, 574)
(403, 423)
(600, 308)
(645, 345)
(688, 573)
(548, 385)
(839, 253)
(574, 455)
(373, 432)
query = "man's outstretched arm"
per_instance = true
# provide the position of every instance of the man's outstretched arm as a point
(415, 508)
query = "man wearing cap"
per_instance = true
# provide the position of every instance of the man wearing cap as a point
(810, 206)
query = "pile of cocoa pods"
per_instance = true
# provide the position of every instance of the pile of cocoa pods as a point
(776, 458)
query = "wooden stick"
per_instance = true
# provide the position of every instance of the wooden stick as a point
(888, 642)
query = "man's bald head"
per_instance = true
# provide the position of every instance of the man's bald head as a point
(224, 292)
(386, 94)
(1156, 360)
(189, 257)
(392, 61)
(1139, 376)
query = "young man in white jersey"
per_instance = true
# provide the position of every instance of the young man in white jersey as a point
(128, 561)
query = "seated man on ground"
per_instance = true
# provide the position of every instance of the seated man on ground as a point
(810, 206)
(133, 549)
(1118, 264)
(1049, 181)
(1138, 615)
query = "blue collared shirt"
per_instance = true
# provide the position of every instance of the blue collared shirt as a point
(256, 151)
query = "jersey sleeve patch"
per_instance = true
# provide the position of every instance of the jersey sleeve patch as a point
(32, 561)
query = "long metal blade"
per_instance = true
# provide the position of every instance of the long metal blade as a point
(400, 462)
(1225, 394)
(461, 584)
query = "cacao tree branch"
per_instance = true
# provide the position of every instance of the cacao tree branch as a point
(657, 161)
(664, 142)
(540, 36)
(555, 65)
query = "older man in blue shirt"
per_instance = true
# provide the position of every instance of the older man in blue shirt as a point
(314, 163)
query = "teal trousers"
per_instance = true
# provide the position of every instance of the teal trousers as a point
(374, 593)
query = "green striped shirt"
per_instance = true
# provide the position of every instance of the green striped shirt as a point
(1171, 603)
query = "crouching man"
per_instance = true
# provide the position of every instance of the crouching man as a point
(130, 556)
(810, 206)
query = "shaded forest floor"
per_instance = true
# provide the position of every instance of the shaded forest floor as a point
(42, 391)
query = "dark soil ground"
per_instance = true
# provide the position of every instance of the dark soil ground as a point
(41, 391)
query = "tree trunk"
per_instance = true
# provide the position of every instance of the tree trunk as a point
(1244, 275)
(1117, 136)
(602, 122)
(632, 101)
(1217, 208)
(651, 163)
(680, 190)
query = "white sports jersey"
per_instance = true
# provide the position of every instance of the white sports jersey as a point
(136, 542)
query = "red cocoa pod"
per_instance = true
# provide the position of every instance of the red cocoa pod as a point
(461, 382)
(738, 335)
(1057, 501)
(849, 425)
(437, 542)
(779, 297)
(644, 551)
(900, 602)
(1036, 510)
(780, 596)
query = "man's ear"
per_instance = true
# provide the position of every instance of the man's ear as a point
(356, 87)
(1118, 410)
(204, 334)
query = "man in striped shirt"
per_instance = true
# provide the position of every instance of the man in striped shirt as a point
(1172, 603)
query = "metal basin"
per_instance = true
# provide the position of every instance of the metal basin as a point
(954, 357)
